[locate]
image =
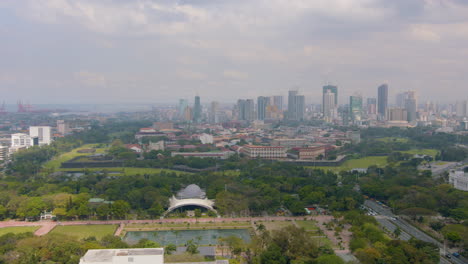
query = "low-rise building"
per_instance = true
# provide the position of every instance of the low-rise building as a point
(3, 153)
(215, 155)
(121, 256)
(312, 153)
(289, 142)
(264, 152)
(459, 180)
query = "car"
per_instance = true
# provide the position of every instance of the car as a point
(394, 218)
(456, 254)
(448, 256)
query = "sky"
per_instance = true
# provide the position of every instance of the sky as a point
(157, 51)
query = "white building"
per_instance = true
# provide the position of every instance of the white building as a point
(206, 138)
(124, 256)
(264, 152)
(44, 133)
(3, 153)
(21, 140)
(459, 180)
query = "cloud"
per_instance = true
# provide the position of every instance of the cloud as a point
(424, 32)
(90, 78)
(235, 75)
(191, 75)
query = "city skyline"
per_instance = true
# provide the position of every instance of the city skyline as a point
(153, 51)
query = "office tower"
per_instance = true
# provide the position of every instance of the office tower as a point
(371, 106)
(214, 112)
(329, 108)
(197, 110)
(334, 90)
(278, 102)
(262, 104)
(410, 105)
(355, 107)
(246, 109)
(63, 127)
(461, 108)
(43, 133)
(183, 104)
(382, 100)
(296, 106)
(397, 114)
(400, 99)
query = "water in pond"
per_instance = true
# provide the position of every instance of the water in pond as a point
(180, 237)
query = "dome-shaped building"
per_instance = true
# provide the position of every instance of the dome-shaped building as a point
(190, 196)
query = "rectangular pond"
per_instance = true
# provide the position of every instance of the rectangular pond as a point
(180, 237)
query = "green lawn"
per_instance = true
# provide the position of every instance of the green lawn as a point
(18, 229)
(55, 163)
(365, 162)
(84, 231)
(393, 139)
(125, 171)
(429, 152)
(307, 225)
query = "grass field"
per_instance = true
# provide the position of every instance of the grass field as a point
(57, 161)
(124, 171)
(393, 139)
(275, 225)
(429, 152)
(380, 161)
(18, 229)
(84, 231)
(312, 229)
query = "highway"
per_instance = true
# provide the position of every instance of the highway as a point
(391, 219)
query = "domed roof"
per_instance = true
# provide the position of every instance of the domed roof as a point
(192, 191)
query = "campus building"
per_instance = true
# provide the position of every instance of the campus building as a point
(459, 180)
(264, 152)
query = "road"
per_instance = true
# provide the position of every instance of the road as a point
(409, 229)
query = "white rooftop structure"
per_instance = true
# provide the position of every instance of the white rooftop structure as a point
(459, 180)
(191, 195)
(124, 256)
(44, 133)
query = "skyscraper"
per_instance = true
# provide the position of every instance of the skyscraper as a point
(296, 106)
(183, 104)
(382, 100)
(355, 107)
(329, 108)
(278, 102)
(246, 109)
(214, 112)
(333, 89)
(461, 108)
(197, 110)
(411, 105)
(371, 106)
(262, 103)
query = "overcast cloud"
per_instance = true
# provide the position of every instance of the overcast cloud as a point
(88, 51)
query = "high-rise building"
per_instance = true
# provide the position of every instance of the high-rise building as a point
(355, 107)
(461, 108)
(411, 109)
(3, 153)
(278, 102)
(262, 104)
(400, 99)
(214, 112)
(63, 127)
(43, 133)
(246, 109)
(371, 106)
(296, 106)
(20, 140)
(334, 90)
(329, 108)
(382, 100)
(197, 110)
(183, 104)
(397, 114)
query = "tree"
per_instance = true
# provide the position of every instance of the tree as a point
(192, 247)
(198, 213)
(120, 209)
(170, 249)
(146, 243)
(397, 232)
(329, 259)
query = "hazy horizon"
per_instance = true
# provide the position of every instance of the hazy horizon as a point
(155, 52)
